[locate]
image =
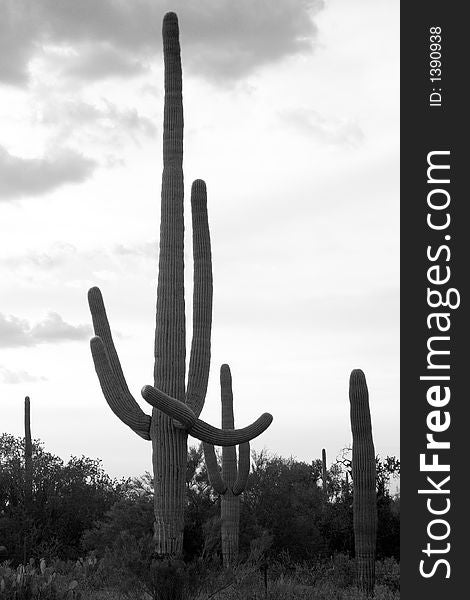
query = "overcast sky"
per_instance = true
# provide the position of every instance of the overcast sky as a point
(292, 118)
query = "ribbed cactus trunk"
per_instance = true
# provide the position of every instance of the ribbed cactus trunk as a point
(169, 444)
(230, 504)
(364, 482)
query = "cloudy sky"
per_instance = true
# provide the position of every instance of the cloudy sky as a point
(291, 117)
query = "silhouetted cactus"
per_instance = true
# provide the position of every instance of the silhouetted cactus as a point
(28, 480)
(176, 408)
(323, 473)
(364, 481)
(28, 454)
(233, 480)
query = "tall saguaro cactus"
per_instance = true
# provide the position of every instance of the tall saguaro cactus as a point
(232, 482)
(364, 482)
(176, 406)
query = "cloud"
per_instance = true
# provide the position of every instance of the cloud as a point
(100, 61)
(17, 43)
(109, 117)
(21, 376)
(21, 177)
(326, 130)
(55, 329)
(15, 332)
(222, 40)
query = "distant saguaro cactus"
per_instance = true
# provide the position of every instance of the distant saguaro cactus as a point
(28, 479)
(176, 407)
(233, 480)
(323, 473)
(28, 454)
(364, 482)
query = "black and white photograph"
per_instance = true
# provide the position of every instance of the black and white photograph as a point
(200, 299)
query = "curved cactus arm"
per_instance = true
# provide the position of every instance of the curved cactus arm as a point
(103, 331)
(200, 429)
(199, 363)
(120, 400)
(220, 437)
(170, 406)
(243, 468)
(213, 470)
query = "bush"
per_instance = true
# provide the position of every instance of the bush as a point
(33, 582)
(387, 573)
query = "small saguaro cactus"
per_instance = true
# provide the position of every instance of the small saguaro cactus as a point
(364, 482)
(28, 454)
(28, 480)
(232, 482)
(176, 406)
(323, 474)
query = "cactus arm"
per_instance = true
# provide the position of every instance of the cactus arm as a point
(175, 409)
(229, 453)
(226, 395)
(243, 468)
(103, 331)
(213, 470)
(198, 373)
(202, 430)
(218, 437)
(120, 400)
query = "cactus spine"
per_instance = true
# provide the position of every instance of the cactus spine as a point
(232, 482)
(176, 407)
(364, 482)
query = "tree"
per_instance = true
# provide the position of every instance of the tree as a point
(66, 499)
(283, 498)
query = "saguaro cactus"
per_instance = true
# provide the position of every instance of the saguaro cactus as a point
(28, 455)
(28, 479)
(232, 482)
(176, 407)
(364, 476)
(323, 474)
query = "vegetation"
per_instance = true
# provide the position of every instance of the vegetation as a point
(98, 532)
(70, 531)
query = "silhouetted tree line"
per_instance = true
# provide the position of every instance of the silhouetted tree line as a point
(77, 508)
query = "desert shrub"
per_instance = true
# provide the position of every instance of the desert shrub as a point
(387, 573)
(342, 571)
(130, 568)
(36, 581)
